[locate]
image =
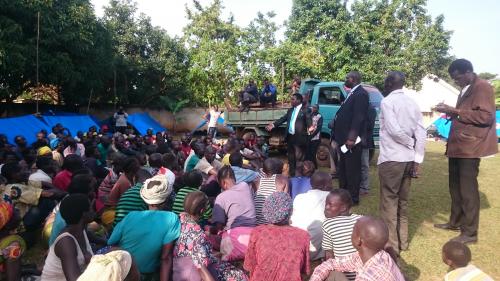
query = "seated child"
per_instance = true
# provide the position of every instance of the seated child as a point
(192, 181)
(457, 256)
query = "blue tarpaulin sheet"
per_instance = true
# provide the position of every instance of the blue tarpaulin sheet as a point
(27, 126)
(142, 122)
(73, 123)
(443, 126)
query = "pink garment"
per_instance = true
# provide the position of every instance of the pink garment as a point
(62, 180)
(80, 150)
(234, 243)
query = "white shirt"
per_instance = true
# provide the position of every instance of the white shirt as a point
(121, 119)
(214, 116)
(308, 214)
(402, 133)
(291, 125)
(463, 91)
(40, 175)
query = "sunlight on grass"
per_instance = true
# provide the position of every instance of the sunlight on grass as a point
(430, 203)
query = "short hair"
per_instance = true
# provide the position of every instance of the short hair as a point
(43, 162)
(396, 77)
(298, 97)
(169, 161)
(73, 207)
(460, 65)
(235, 159)
(10, 169)
(344, 196)
(232, 144)
(457, 253)
(81, 184)
(155, 160)
(193, 178)
(72, 162)
(273, 166)
(131, 165)
(195, 202)
(226, 172)
(356, 75)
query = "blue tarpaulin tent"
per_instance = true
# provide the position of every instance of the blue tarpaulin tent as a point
(74, 123)
(443, 126)
(27, 126)
(142, 122)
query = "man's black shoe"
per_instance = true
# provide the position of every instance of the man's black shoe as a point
(446, 226)
(464, 239)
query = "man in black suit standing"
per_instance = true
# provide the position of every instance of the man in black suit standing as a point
(349, 132)
(298, 119)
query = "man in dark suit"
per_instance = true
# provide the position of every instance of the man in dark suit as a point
(472, 136)
(298, 119)
(349, 132)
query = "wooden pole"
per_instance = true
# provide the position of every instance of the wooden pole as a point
(90, 99)
(37, 44)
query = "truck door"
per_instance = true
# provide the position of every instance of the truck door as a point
(329, 99)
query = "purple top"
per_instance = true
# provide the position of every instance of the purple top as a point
(235, 207)
(299, 185)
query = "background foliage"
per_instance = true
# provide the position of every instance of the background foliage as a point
(122, 58)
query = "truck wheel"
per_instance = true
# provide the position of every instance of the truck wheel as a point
(323, 153)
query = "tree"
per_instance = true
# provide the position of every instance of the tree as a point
(213, 51)
(372, 37)
(487, 75)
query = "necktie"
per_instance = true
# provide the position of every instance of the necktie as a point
(291, 125)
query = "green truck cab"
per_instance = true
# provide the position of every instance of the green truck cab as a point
(329, 96)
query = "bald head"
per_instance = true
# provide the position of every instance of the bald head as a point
(370, 233)
(321, 180)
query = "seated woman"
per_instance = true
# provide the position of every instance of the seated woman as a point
(193, 257)
(71, 251)
(233, 215)
(12, 246)
(113, 266)
(277, 251)
(271, 180)
(149, 236)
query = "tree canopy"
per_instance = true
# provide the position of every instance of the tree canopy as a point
(123, 58)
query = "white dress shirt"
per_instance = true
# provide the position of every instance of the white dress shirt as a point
(308, 214)
(402, 133)
(295, 113)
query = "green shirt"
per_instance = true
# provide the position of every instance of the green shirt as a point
(130, 201)
(179, 202)
(192, 163)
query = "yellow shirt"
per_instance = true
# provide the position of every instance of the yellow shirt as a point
(225, 160)
(467, 273)
(23, 196)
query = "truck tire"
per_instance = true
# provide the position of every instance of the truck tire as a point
(323, 153)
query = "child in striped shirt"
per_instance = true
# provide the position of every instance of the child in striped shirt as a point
(192, 181)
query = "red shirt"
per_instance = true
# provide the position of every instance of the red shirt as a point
(62, 180)
(186, 149)
(277, 253)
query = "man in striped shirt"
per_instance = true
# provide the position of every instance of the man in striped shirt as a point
(370, 262)
(338, 226)
(192, 181)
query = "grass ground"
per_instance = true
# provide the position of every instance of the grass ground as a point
(430, 203)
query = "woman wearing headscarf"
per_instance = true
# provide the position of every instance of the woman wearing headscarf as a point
(113, 266)
(277, 251)
(149, 235)
(193, 258)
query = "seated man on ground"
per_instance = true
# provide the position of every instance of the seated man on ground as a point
(309, 211)
(193, 256)
(458, 256)
(232, 146)
(370, 262)
(192, 181)
(233, 215)
(151, 246)
(194, 158)
(242, 174)
(277, 251)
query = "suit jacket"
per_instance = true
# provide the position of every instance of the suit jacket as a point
(302, 122)
(473, 132)
(351, 118)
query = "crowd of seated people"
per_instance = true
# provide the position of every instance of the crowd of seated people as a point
(128, 207)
